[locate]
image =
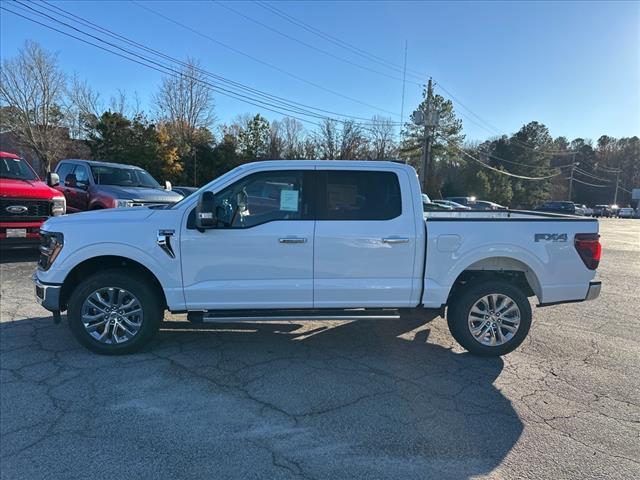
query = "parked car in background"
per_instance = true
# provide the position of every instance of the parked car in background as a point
(91, 185)
(566, 208)
(626, 212)
(454, 205)
(25, 202)
(429, 206)
(485, 205)
(466, 201)
(184, 191)
(602, 211)
(582, 209)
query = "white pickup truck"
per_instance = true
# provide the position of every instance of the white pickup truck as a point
(296, 240)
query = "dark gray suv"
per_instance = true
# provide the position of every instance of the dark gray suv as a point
(91, 185)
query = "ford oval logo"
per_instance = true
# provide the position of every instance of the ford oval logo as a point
(17, 209)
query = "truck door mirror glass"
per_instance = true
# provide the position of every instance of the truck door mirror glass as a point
(53, 180)
(206, 211)
(70, 181)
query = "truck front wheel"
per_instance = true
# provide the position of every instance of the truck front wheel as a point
(114, 312)
(489, 318)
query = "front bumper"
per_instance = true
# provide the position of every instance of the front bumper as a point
(47, 294)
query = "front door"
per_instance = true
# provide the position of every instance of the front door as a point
(260, 256)
(365, 240)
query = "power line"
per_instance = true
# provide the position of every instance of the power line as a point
(589, 184)
(337, 41)
(299, 107)
(155, 66)
(587, 174)
(255, 59)
(308, 45)
(281, 103)
(497, 170)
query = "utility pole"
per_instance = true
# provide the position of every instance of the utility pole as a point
(195, 167)
(573, 165)
(429, 121)
(615, 196)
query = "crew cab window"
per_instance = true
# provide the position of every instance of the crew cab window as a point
(358, 195)
(260, 198)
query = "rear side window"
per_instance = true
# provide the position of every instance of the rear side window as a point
(63, 170)
(358, 195)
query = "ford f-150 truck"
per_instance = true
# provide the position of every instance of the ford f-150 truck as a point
(294, 240)
(25, 202)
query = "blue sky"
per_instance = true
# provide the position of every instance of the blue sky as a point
(575, 66)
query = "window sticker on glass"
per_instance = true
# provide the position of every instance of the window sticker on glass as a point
(289, 200)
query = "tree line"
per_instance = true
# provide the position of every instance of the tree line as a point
(181, 141)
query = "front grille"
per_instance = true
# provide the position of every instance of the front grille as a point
(35, 209)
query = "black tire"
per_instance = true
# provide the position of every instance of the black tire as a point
(136, 284)
(460, 308)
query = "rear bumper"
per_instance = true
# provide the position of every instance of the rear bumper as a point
(47, 294)
(593, 292)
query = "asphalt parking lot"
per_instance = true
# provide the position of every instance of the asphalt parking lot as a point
(370, 399)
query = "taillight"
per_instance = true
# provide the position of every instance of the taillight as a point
(589, 249)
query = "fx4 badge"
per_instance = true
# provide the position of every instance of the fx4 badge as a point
(550, 237)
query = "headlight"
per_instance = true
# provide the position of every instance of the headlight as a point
(119, 203)
(58, 206)
(51, 244)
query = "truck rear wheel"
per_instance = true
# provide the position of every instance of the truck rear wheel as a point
(114, 312)
(490, 318)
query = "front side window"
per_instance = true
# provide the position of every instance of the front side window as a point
(63, 170)
(82, 176)
(358, 195)
(260, 198)
(16, 169)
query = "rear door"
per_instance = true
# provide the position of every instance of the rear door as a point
(365, 239)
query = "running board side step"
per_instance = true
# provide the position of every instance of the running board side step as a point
(228, 316)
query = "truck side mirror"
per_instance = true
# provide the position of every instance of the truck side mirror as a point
(206, 212)
(53, 179)
(70, 181)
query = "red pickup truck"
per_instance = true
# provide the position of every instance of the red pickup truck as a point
(25, 201)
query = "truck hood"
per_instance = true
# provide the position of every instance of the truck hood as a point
(114, 217)
(12, 188)
(143, 194)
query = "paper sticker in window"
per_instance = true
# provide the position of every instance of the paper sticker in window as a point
(289, 200)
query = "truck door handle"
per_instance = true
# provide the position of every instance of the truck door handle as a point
(292, 240)
(395, 240)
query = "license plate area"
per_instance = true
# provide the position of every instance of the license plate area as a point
(16, 232)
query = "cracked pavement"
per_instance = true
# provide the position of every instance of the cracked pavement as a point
(326, 400)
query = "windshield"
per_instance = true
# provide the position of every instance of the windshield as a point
(123, 177)
(17, 169)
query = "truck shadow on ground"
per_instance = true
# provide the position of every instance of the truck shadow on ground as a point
(365, 399)
(406, 406)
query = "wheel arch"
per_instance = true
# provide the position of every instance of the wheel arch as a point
(106, 262)
(506, 268)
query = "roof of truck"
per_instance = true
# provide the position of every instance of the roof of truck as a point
(330, 163)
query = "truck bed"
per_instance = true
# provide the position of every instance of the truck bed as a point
(539, 244)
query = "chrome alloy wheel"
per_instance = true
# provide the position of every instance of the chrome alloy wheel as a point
(494, 319)
(112, 315)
